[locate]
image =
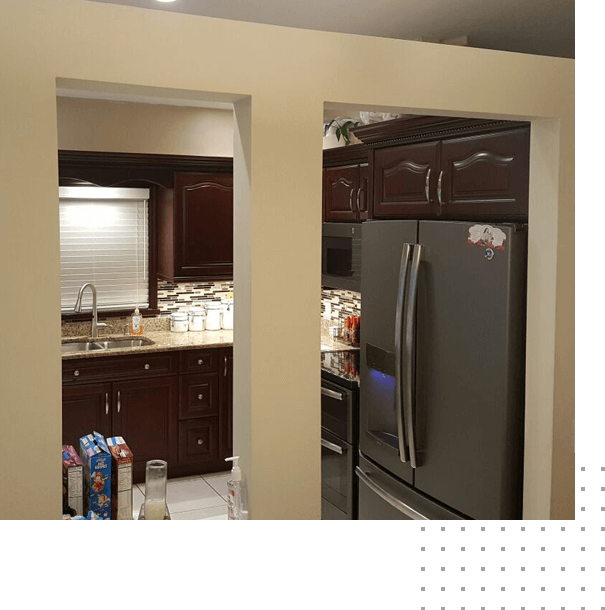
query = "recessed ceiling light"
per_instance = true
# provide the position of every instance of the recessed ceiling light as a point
(166, 0)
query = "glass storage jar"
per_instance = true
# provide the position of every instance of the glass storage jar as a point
(155, 508)
(179, 322)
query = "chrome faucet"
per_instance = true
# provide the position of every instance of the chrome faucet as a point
(78, 308)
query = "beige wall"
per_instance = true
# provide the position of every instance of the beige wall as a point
(279, 79)
(119, 126)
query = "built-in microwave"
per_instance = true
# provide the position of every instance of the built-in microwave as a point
(341, 256)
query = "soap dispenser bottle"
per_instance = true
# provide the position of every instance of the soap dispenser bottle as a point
(237, 508)
(136, 323)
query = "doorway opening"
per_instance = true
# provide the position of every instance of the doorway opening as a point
(170, 398)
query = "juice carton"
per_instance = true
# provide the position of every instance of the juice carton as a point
(97, 475)
(121, 478)
(72, 478)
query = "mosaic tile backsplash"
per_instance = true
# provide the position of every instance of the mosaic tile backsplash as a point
(182, 296)
(172, 297)
(342, 303)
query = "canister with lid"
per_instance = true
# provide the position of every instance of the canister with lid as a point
(213, 316)
(197, 318)
(227, 315)
(179, 322)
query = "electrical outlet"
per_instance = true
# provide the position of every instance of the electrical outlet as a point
(327, 310)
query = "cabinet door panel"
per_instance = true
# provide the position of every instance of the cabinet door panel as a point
(204, 225)
(486, 176)
(86, 408)
(145, 414)
(340, 191)
(404, 181)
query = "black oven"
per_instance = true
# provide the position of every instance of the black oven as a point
(339, 449)
(341, 256)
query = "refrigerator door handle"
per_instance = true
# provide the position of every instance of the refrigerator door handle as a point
(399, 320)
(409, 347)
(387, 497)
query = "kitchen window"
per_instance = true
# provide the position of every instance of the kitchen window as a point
(105, 241)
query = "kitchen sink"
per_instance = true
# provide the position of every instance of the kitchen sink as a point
(86, 346)
(82, 346)
(123, 343)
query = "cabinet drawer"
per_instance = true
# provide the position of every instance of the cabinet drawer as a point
(199, 361)
(120, 367)
(198, 441)
(198, 395)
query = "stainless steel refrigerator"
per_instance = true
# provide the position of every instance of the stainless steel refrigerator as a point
(442, 370)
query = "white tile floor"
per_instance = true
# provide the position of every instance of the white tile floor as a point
(197, 497)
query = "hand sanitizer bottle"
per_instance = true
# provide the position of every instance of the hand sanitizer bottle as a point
(236, 497)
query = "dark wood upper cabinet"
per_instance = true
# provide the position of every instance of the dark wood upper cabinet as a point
(449, 168)
(196, 228)
(346, 184)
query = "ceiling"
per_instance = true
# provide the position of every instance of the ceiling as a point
(539, 27)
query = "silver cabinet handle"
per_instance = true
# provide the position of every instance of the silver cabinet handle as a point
(225, 369)
(439, 187)
(76, 373)
(200, 441)
(147, 367)
(119, 402)
(200, 396)
(106, 403)
(200, 362)
(332, 394)
(387, 497)
(426, 186)
(331, 446)
(358, 198)
(351, 199)
(399, 320)
(410, 340)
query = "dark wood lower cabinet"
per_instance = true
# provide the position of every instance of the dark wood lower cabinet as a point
(86, 408)
(145, 416)
(180, 412)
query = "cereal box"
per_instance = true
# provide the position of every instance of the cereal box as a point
(72, 478)
(121, 478)
(97, 475)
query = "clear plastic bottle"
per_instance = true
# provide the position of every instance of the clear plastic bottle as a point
(237, 497)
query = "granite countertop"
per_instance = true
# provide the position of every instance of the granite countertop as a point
(163, 341)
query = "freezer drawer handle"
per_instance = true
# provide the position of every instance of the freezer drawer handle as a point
(331, 446)
(332, 394)
(387, 497)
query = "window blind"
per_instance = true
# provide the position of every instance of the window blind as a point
(105, 241)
